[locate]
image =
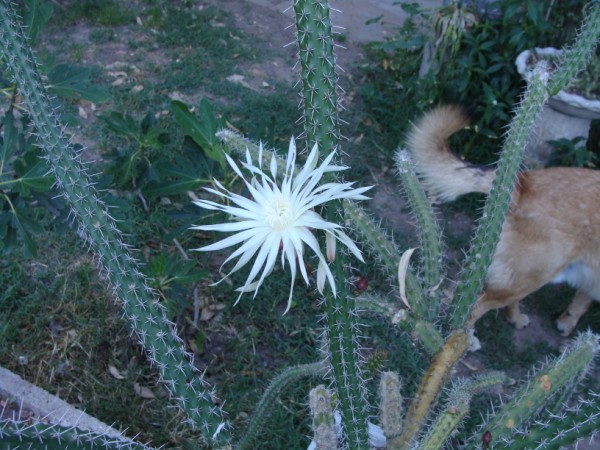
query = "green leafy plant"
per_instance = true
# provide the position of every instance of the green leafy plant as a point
(568, 153)
(480, 70)
(135, 165)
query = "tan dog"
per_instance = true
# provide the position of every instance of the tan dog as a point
(551, 233)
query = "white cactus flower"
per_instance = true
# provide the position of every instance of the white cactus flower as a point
(280, 217)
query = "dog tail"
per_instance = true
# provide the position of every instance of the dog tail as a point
(444, 175)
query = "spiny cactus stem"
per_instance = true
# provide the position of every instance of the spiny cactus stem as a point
(431, 384)
(457, 407)
(429, 235)
(575, 59)
(321, 126)
(318, 77)
(388, 253)
(563, 430)
(484, 243)
(145, 314)
(266, 403)
(444, 426)
(575, 360)
(37, 435)
(382, 247)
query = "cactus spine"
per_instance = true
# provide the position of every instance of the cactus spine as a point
(488, 232)
(321, 126)
(28, 435)
(143, 312)
(382, 247)
(574, 59)
(561, 430)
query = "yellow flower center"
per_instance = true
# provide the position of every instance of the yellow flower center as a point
(278, 214)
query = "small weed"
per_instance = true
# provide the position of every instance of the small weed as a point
(104, 13)
(102, 35)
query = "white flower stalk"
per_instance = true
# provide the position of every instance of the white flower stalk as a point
(280, 218)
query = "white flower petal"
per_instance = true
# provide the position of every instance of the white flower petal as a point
(307, 170)
(273, 166)
(260, 260)
(228, 241)
(344, 239)
(330, 242)
(321, 276)
(246, 251)
(291, 159)
(229, 226)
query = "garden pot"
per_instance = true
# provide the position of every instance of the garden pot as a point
(566, 115)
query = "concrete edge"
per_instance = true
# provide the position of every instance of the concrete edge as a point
(48, 407)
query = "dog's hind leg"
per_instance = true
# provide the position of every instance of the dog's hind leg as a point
(495, 299)
(515, 316)
(568, 320)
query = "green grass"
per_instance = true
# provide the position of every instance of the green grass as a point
(62, 331)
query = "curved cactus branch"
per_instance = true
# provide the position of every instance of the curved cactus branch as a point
(141, 308)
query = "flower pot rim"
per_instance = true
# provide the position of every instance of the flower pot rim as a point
(566, 102)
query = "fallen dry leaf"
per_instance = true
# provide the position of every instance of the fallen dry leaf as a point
(115, 372)
(143, 391)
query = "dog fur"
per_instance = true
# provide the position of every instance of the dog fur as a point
(551, 233)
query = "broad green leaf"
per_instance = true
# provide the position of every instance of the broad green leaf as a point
(31, 174)
(68, 80)
(122, 125)
(202, 131)
(9, 141)
(126, 169)
(37, 14)
(177, 177)
(25, 228)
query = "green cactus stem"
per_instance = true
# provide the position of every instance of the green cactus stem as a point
(484, 243)
(144, 313)
(428, 336)
(267, 402)
(578, 422)
(536, 392)
(323, 422)
(457, 407)
(37, 435)
(382, 247)
(430, 387)
(386, 251)
(318, 77)
(321, 127)
(573, 60)
(240, 145)
(430, 237)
